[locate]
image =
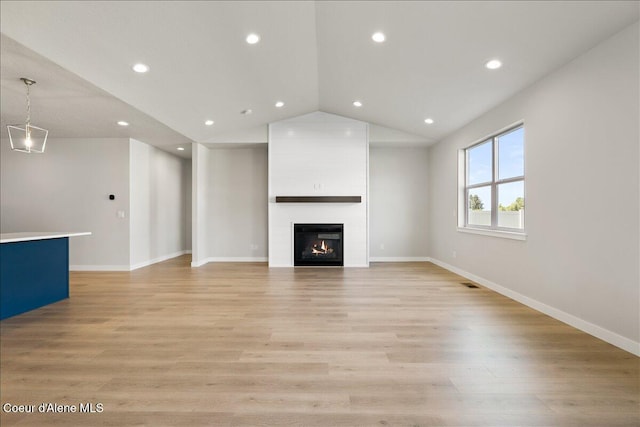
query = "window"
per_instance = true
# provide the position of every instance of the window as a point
(494, 182)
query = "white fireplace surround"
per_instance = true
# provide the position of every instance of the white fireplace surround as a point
(318, 154)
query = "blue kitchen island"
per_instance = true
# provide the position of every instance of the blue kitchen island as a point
(34, 270)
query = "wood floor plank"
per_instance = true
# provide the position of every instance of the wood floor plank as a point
(397, 344)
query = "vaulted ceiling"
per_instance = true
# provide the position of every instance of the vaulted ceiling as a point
(311, 56)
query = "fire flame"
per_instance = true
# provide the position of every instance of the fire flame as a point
(322, 250)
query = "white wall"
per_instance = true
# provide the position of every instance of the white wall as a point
(581, 127)
(187, 180)
(398, 195)
(236, 201)
(318, 154)
(157, 216)
(199, 205)
(66, 189)
(237, 208)
(229, 204)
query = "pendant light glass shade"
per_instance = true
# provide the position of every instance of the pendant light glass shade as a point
(27, 138)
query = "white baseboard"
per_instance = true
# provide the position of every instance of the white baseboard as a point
(578, 323)
(238, 259)
(399, 259)
(85, 267)
(126, 267)
(157, 260)
(199, 263)
(228, 259)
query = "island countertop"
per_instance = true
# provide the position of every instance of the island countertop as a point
(39, 235)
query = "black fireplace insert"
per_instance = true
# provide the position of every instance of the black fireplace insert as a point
(318, 245)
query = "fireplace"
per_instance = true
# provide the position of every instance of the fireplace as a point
(318, 245)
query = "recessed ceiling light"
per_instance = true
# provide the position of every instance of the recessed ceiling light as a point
(378, 37)
(357, 104)
(246, 112)
(123, 123)
(180, 148)
(494, 64)
(428, 121)
(140, 68)
(253, 38)
(279, 104)
(209, 122)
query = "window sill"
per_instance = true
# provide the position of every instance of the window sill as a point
(494, 233)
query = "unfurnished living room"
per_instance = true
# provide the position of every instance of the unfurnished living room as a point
(320, 213)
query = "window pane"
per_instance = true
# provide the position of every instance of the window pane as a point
(479, 206)
(511, 154)
(479, 163)
(511, 205)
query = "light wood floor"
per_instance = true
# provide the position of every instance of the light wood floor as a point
(245, 345)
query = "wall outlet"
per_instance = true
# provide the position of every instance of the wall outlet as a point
(254, 247)
(382, 246)
(120, 214)
(454, 254)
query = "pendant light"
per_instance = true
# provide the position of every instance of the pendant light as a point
(27, 138)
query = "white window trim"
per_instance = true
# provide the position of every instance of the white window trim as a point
(461, 214)
(494, 233)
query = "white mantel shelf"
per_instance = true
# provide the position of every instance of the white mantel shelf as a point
(35, 235)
